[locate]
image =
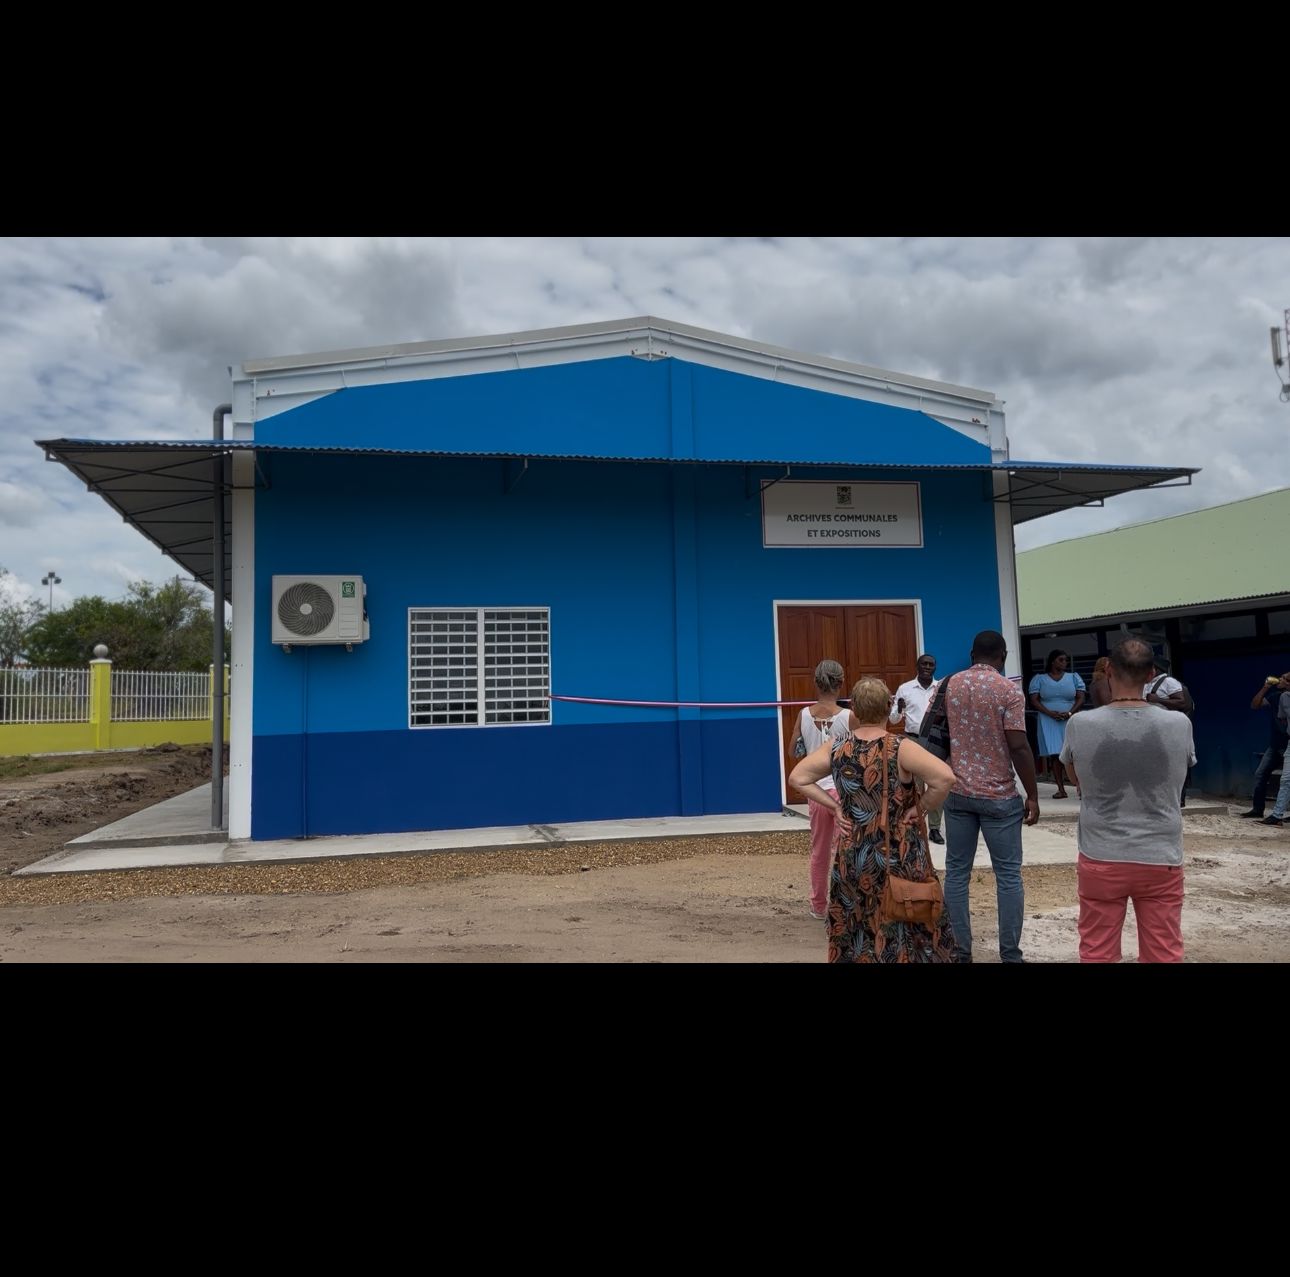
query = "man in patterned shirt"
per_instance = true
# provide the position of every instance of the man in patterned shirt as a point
(987, 720)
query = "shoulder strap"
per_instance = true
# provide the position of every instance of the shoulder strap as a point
(936, 705)
(886, 811)
(1156, 685)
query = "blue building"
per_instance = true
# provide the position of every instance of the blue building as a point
(668, 527)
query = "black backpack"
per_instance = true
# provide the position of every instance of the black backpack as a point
(934, 730)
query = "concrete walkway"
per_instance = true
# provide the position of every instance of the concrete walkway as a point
(185, 818)
(1067, 808)
(178, 832)
(1056, 810)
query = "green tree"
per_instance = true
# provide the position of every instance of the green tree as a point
(155, 627)
(17, 617)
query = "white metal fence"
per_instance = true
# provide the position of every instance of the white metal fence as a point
(146, 696)
(45, 696)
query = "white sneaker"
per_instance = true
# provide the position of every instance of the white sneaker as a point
(819, 917)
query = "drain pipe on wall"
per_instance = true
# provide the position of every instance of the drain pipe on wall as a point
(217, 617)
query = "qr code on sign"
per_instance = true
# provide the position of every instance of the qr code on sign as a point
(844, 494)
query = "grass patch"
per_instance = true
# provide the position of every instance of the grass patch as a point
(21, 765)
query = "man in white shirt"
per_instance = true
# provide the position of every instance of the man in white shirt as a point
(911, 701)
(1167, 692)
(1164, 690)
(913, 698)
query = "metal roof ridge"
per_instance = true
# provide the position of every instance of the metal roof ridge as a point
(573, 334)
(1164, 518)
(1151, 610)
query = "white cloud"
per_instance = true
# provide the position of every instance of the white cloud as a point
(1133, 349)
(20, 507)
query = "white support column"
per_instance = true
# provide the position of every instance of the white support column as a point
(1009, 627)
(1005, 547)
(243, 657)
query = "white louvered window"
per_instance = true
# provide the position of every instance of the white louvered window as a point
(470, 667)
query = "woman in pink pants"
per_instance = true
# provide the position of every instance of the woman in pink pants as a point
(824, 720)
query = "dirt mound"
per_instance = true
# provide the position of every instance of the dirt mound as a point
(39, 813)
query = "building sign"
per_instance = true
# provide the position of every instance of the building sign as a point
(817, 514)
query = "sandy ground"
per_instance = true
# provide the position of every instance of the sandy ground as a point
(731, 899)
(728, 899)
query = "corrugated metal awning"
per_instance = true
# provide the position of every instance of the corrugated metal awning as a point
(1037, 488)
(165, 487)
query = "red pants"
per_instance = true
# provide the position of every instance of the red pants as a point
(1106, 887)
(822, 827)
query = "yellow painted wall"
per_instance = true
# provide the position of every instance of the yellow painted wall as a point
(50, 738)
(194, 731)
(67, 738)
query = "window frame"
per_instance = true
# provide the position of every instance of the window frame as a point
(482, 693)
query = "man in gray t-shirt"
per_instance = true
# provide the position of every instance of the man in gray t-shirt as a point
(1130, 759)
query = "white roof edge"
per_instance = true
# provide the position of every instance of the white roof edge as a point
(644, 325)
(1254, 602)
(1144, 523)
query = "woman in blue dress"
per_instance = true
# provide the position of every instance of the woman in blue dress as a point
(1055, 695)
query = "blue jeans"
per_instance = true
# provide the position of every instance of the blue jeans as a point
(1283, 794)
(1271, 757)
(999, 819)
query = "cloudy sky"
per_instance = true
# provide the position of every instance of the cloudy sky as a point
(1128, 349)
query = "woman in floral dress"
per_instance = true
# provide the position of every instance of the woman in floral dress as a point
(873, 839)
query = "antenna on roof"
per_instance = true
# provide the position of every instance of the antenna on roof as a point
(1278, 358)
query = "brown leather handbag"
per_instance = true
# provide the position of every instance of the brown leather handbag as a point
(903, 899)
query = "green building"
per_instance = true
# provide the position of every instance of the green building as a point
(1210, 589)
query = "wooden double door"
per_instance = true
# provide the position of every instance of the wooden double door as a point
(871, 639)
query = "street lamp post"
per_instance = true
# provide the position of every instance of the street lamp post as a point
(51, 580)
(1278, 359)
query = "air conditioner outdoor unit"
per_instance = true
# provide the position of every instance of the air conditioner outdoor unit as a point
(319, 609)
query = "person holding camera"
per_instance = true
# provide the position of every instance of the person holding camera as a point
(1272, 699)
